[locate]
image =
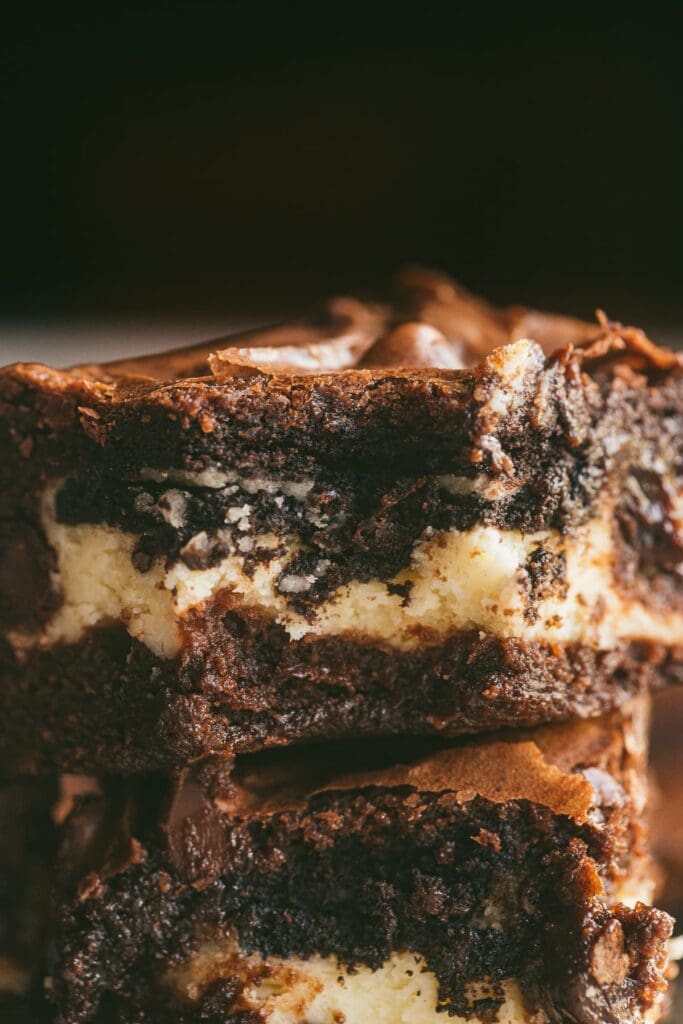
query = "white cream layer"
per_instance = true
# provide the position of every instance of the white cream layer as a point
(322, 991)
(461, 580)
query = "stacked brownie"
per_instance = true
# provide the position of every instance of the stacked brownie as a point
(352, 623)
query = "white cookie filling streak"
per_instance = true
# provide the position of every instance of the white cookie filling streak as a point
(458, 580)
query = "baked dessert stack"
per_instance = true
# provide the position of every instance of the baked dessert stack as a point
(284, 596)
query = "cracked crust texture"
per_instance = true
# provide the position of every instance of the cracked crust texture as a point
(485, 874)
(382, 425)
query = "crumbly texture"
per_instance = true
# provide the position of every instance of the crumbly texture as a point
(241, 684)
(295, 486)
(546, 585)
(491, 862)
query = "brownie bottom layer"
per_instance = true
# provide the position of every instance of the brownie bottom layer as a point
(478, 892)
(240, 683)
(137, 959)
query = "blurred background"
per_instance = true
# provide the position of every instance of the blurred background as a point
(171, 169)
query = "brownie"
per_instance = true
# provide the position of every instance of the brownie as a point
(28, 842)
(667, 798)
(418, 515)
(666, 811)
(506, 875)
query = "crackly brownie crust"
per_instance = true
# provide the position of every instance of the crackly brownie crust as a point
(368, 518)
(397, 425)
(376, 443)
(334, 452)
(402, 857)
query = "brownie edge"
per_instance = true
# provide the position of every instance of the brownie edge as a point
(492, 862)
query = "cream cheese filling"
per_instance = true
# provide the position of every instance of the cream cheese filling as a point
(458, 580)
(323, 991)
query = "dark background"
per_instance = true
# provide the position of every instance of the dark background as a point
(191, 159)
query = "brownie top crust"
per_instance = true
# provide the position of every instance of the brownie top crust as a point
(541, 766)
(585, 770)
(436, 381)
(193, 501)
(428, 370)
(429, 322)
(423, 848)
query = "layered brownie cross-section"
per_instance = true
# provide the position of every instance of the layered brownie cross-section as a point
(493, 879)
(391, 518)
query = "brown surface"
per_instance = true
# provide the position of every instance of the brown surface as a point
(294, 858)
(667, 762)
(541, 766)
(429, 322)
(667, 815)
(597, 417)
(27, 861)
(109, 704)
